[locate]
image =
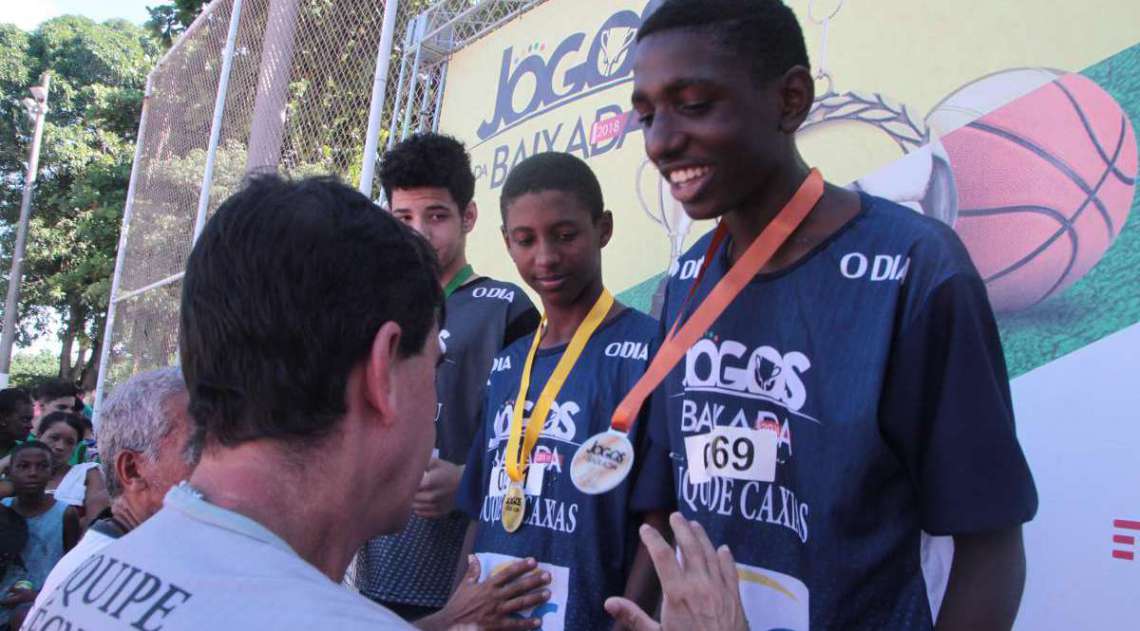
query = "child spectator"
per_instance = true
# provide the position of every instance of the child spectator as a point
(80, 485)
(52, 526)
(15, 421)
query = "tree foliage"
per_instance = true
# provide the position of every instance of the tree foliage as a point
(98, 73)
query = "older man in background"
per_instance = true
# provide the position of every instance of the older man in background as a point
(143, 434)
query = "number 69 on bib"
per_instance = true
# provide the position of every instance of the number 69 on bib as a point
(732, 452)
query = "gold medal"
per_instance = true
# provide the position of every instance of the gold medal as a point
(514, 507)
(519, 445)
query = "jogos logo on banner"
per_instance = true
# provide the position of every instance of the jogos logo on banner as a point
(535, 81)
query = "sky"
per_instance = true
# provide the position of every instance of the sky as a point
(27, 14)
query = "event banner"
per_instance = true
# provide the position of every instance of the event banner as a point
(1012, 122)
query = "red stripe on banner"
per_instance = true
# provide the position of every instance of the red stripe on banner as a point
(1124, 539)
(1122, 554)
(1126, 523)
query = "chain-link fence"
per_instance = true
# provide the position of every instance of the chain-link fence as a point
(253, 85)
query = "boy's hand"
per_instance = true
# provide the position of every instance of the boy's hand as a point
(493, 603)
(436, 495)
(7, 488)
(703, 594)
(18, 596)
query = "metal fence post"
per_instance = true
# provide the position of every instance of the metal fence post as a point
(120, 256)
(216, 124)
(379, 94)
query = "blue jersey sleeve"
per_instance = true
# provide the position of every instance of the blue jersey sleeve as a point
(946, 411)
(469, 495)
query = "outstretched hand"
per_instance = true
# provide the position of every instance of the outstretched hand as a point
(700, 592)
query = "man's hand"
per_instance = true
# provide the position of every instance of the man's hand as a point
(703, 594)
(436, 495)
(492, 603)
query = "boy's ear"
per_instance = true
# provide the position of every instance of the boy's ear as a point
(606, 227)
(797, 94)
(468, 217)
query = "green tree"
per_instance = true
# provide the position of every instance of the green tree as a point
(168, 21)
(98, 73)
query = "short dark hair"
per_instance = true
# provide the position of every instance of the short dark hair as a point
(28, 445)
(554, 171)
(429, 160)
(11, 397)
(74, 420)
(763, 31)
(56, 389)
(283, 295)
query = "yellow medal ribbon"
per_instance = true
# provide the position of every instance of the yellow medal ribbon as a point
(517, 458)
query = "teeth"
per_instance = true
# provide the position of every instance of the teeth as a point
(681, 176)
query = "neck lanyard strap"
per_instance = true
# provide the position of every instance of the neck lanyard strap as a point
(516, 459)
(678, 342)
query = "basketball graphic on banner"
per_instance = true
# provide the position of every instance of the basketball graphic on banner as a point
(1045, 185)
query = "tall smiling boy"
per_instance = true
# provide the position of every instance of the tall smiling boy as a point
(827, 416)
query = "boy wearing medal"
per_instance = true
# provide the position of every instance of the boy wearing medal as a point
(835, 385)
(546, 475)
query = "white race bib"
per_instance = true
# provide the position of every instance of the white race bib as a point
(500, 480)
(773, 600)
(732, 452)
(552, 613)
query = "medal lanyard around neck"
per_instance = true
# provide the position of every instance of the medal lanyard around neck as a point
(516, 458)
(678, 342)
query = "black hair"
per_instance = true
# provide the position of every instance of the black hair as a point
(554, 171)
(11, 397)
(763, 31)
(284, 292)
(77, 422)
(13, 538)
(56, 389)
(27, 446)
(429, 160)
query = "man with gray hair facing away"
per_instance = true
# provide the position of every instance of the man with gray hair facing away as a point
(143, 434)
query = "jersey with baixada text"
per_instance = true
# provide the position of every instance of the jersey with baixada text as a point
(586, 542)
(835, 411)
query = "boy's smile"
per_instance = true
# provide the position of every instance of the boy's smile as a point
(712, 131)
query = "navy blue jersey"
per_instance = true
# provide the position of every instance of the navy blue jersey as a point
(585, 541)
(832, 413)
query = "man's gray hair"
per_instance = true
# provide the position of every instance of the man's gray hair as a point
(136, 418)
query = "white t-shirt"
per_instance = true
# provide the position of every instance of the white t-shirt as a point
(198, 566)
(92, 542)
(72, 488)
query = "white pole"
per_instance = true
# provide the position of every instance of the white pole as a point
(11, 303)
(379, 94)
(419, 27)
(109, 327)
(216, 124)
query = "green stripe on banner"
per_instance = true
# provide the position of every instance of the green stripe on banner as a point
(1107, 299)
